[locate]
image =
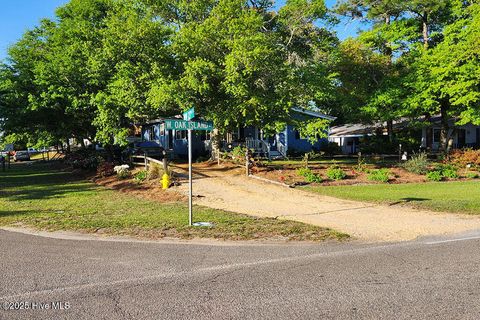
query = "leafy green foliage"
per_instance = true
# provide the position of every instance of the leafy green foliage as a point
(335, 173)
(141, 176)
(472, 175)
(309, 175)
(418, 163)
(442, 171)
(380, 175)
(434, 176)
(103, 65)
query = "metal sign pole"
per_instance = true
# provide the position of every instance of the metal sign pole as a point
(190, 177)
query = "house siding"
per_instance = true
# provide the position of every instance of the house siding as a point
(301, 144)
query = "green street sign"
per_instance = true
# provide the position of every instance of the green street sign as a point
(188, 125)
(189, 114)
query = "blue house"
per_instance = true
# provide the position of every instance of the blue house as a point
(288, 141)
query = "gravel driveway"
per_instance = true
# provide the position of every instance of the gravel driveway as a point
(229, 189)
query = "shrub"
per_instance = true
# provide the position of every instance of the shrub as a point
(447, 171)
(335, 173)
(141, 176)
(238, 153)
(472, 175)
(381, 175)
(330, 148)
(309, 175)
(450, 173)
(122, 171)
(434, 176)
(462, 158)
(417, 164)
(84, 159)
(105, 169)
(155, 171)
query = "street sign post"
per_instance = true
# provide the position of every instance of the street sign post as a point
(190, 186)
(189, 114)
(186, 124)
(173, 124)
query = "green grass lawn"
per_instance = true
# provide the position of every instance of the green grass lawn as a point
(46, 197)
(458, 196)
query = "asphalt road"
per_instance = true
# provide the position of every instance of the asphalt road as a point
(425, 279)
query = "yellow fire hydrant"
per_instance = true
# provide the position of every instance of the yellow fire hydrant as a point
(165, 181)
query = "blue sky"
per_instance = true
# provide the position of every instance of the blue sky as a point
(17, 16)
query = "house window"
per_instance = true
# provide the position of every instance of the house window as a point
(152, 133)
(203, 135)
(180, 134)
(299, 136)
(436, 135)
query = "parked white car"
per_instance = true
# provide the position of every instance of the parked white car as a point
(21, 156)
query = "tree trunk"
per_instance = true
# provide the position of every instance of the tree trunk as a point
(68, 145)
(389, 53)
(215, 140)
(390, 130)
(444, 126)
(425, 30)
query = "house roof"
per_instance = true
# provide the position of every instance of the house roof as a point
(314, 114)
(360, 130)
(352, 130)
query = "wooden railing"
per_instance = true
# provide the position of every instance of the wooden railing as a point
(259, 146)
(146, 161)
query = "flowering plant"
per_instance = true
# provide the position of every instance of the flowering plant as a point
(122, 171)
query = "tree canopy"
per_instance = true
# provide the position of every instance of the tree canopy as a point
(102, 65)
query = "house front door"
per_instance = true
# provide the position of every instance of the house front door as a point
(169, 145)
(272, 141)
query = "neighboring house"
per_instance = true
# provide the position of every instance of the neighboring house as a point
(464, 136)
(288, 140)
(349, 136)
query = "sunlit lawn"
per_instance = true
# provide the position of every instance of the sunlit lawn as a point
(457, 196)
(47, 197)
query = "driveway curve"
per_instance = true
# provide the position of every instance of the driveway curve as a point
(229, 189)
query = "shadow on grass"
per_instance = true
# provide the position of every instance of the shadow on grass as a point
(18, 213)
(408, 200)
(33, 182)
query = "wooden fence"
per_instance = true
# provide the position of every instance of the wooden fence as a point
(146, 161)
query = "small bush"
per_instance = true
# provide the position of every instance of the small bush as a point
(381, 175)
(238, 154)
(434, 176)
(450, 174)
(417, 164)
(155, 171)
(141, 176)
(105, 169)
(472, 175)
(462, 158)
(335, 173)
(330, 148)
(447, 171)
(309, 175)
(122, 172)
(361, 165)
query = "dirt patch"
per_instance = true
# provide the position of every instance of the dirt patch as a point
(288, 174)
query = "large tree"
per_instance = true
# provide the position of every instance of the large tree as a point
(446, 78)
